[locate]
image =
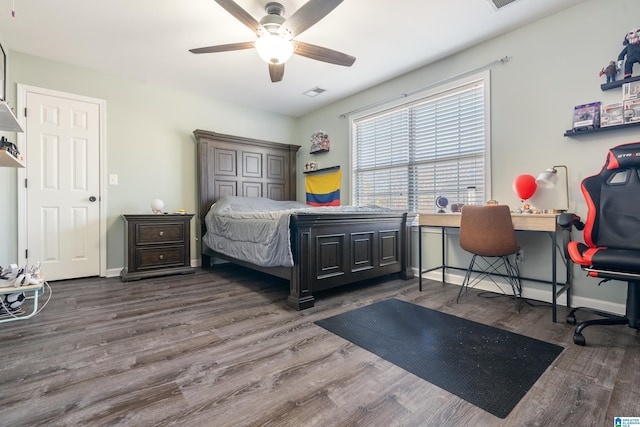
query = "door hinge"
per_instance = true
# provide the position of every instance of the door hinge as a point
(25, 183)
(25, 111)
(26, 253)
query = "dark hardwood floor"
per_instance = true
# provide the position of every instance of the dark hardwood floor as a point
(221, 348)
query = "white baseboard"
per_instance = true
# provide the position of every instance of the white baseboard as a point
(114, 272)
(531, 293)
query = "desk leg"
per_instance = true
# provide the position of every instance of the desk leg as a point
(554, 279)
(568, 279)
(420, 258)
(443, 257)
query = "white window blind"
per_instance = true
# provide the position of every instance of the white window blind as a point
(407, 156)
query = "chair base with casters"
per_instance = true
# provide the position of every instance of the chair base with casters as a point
(632, 313)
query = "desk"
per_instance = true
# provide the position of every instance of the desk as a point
(546, 223)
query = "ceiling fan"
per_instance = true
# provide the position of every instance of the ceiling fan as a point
(275, 34)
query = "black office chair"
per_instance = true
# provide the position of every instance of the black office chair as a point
(487, 232)
(611, 248)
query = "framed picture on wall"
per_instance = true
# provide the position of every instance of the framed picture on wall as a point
(3, 75)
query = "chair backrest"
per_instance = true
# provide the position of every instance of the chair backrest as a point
(487, 230)
(613, 200)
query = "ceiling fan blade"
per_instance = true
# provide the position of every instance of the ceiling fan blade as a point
(276, 72)
(223, 47)
(323, 54)
(240, 14)
(310, 13)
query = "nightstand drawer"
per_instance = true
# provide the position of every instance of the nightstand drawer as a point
(159, 233)
(159, 257)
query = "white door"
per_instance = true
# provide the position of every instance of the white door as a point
(62, 151)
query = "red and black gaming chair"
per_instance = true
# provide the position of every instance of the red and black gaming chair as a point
(611, 248)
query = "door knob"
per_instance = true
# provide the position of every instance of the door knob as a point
(92, 199)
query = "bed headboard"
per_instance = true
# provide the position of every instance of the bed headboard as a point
(236, 166)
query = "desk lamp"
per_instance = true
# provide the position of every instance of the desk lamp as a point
(549, 178)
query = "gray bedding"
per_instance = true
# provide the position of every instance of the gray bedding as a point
(257, 229)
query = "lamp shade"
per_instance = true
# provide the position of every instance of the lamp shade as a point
(274, 49)
(547, 178)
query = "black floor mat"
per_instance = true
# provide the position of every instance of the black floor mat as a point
(486, 366)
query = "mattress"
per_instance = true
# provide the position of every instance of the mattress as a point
(256, 229)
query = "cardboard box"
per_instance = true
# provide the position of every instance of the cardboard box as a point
(611, 114)
(631, 90)
(586, 116)
(631, 110)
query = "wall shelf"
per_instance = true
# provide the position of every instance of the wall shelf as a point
(323, 170)
(618, 83)
(8, 121)
(572, 132)
(7, 160)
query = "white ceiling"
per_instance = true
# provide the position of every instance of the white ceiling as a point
(148, 40)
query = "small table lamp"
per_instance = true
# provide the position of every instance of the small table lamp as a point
(549, 178)
(156, 206)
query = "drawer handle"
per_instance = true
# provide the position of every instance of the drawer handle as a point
(161, 257)
(161, 233)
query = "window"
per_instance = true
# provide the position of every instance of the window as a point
(407, 155)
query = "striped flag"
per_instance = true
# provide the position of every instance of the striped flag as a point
(324, 189)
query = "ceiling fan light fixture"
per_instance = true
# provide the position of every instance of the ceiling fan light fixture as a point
(274, 49)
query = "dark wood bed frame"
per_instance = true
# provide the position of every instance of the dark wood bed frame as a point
(329, 250)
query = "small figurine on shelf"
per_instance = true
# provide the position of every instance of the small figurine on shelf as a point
(631, 51)
(610, 71)
(319, 142)
(310, 166)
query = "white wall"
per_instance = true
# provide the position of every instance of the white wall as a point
(554, 66)
(150, 143)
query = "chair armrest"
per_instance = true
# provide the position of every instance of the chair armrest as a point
(568, 220)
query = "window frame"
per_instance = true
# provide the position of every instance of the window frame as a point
(432, 91)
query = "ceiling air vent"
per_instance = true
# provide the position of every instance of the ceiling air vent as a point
(497, 4)
(314, 92)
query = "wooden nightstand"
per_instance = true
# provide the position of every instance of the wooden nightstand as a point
(156, 245)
